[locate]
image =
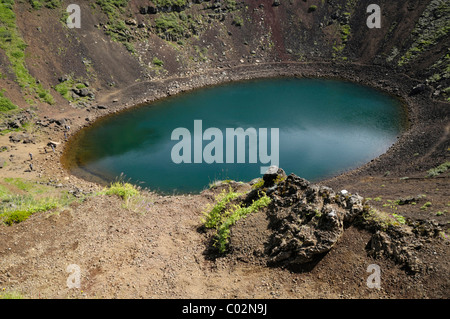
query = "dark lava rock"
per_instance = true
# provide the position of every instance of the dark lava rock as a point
(152, 10)
(22, 137)
(63, 78)
(398, 244)
(272, 174)
(307, 220)
(14, 124)
(418, 89)
(304, 221)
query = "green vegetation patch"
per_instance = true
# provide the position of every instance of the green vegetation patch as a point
(382, 220)
(6, 104)
(65, 88)
(157, 62)
(19, 199)
(344, 30)
(238, 21)
(224, 214)
(170, 27)
(121, 189)
(169, 3)
(10, 295)
(50, 4)
(432, 26)
(14, 48)
(116, 27)
(112, 8)
(134, 198)
(438, 170)
(312, 8)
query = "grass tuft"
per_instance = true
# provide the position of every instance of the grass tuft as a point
(121, 189)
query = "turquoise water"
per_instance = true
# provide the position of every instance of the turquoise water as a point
(325, 127)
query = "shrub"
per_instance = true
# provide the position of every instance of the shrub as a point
(213, 217)
(223, 231)
(223, 215)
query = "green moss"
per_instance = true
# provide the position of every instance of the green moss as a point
(10, 295)
(230, 5)
(258, 184)
(65, 88)
(112, 8)
(344, 31)
(382, 220)
(425, 206)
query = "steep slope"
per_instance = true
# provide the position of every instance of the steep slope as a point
(128, 52)
(123, 42)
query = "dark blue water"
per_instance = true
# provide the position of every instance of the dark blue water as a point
(325, 127)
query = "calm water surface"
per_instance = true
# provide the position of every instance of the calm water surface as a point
(325, 127)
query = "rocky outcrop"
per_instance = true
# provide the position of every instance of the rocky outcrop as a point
(307, 220)
(302, 222)
(402, 243)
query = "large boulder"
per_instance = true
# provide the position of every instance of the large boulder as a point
(307, 220)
